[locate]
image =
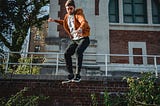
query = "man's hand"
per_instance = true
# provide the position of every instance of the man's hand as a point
(71, 37)
(50, 20)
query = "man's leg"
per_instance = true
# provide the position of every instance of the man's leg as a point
(82, 45)
(70, 50)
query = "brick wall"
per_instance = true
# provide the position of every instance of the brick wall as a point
(119, 43)
(72, 94)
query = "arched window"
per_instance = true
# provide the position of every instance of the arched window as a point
(135, 11)
(155, 11)
(113, 11)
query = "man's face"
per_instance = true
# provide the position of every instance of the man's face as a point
(70, 10)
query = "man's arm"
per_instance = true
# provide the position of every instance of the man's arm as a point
(57, 21)
(81, 18)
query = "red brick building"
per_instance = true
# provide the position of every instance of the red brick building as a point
(126, 27)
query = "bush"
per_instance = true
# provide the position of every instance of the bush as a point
(19, 99)
(25, 67)
(143, 91)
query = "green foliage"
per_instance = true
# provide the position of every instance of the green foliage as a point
(94, 100)
(17, 16)
(25, 67)
(2, 66)
(2, 69)
(110, 99)
(143, 91)
(20, 99)
(106, 99)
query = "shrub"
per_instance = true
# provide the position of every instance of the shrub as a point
(143, 91)
(25, 67)
(19, 99)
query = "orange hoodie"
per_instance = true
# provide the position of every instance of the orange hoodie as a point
(79, 22)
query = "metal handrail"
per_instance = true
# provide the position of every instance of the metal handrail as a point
(57, 64)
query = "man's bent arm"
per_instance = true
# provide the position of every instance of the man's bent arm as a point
(59, 22)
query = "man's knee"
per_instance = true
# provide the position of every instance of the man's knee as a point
(79, 53)
(66, 54)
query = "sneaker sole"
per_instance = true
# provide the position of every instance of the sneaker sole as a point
(76, 80)
(63, 82)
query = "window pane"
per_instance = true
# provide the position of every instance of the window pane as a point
(127, 9)
(155, 20)
(139, 19)
(138, 8)
(127, 1)
(113, 11)
(135, 11)
(112, 18)
(155, 12)
(138, 1)
(128, 19)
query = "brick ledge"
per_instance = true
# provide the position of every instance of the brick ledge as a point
(58, 77)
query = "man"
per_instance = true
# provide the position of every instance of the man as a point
(78, 30)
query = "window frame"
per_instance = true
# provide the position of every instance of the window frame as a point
(133, 12)
(116, 12)
(158, 10)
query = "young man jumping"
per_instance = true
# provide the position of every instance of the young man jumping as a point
(77, 27)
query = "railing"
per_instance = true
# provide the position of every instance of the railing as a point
(2, 58)
(105, 61)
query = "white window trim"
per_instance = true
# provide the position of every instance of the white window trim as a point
(141, 45)
(134, 26)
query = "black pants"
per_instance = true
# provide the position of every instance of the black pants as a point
(76, 47)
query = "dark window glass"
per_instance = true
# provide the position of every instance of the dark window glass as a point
(155, 11)
(135, 11)
(113, 11)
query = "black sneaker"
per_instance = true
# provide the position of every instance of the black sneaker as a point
(77, 79)
(70, 76)
(70, 79)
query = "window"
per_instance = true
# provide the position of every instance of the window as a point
(37, 37)
(137, 48)
(137, 59)
(113, 11)
(135, 11)
(37, 48)
(155, 11)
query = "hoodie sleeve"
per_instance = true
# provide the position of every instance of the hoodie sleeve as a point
(81, 18)
(59, 21)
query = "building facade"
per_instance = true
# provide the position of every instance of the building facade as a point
(37, 42)
(130, 27)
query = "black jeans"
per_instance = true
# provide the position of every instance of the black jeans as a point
(76, 47)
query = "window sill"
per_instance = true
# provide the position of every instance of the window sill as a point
(132, 26)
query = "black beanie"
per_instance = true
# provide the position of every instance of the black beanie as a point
(69, 3)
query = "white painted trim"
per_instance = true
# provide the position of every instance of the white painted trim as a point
(141, 45)
(134, 26)
(149, 11)
(53, 13)
(120, 11)
(131, 26)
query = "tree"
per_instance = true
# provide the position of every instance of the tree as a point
(16, 17)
